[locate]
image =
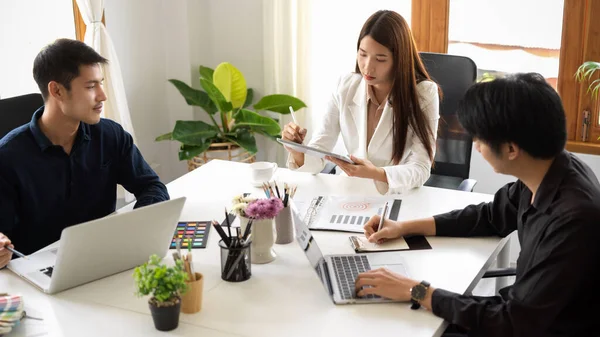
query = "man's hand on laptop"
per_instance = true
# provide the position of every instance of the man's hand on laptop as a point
(384, 283)
(5, 254)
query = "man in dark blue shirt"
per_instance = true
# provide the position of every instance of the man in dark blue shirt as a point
(63, 167)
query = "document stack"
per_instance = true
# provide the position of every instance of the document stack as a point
(11, 312)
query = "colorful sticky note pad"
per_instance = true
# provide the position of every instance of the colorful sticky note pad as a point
(197, 231)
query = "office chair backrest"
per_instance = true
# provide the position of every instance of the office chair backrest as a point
(454, 74)
(16, 111)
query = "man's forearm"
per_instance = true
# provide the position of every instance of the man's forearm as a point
(424, 226)
(153, 193)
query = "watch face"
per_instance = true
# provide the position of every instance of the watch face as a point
(418, 292)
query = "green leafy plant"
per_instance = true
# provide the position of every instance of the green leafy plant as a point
(227, 100)
(486, 77)
(585, 72)
(165, 284)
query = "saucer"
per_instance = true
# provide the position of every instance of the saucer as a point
(256, 183)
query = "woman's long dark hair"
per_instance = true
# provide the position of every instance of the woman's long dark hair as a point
(391, 30)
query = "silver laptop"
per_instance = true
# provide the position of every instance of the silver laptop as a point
(102, 247)
(338, 272)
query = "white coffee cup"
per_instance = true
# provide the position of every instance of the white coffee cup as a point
(262, 171)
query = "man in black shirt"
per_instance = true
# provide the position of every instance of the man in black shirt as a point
(63, 167)
(518, 125)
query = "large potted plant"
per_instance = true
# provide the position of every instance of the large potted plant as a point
(165, 285)
(227, 100)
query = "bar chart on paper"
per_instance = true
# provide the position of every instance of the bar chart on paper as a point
(347, 213)
(355, 213)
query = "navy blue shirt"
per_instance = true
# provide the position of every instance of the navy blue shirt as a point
(44, 190)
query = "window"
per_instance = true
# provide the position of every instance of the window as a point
(553, 38)
(502, 40)
(21, 39)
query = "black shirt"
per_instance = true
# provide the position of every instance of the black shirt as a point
(43, 190)
(558, 272)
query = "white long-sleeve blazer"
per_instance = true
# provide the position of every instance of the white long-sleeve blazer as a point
(346, 114)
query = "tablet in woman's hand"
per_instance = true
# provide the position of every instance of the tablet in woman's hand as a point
(312, 151)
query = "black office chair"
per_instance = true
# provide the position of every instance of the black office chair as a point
(455, 74)
(452, 162)
(16, 111)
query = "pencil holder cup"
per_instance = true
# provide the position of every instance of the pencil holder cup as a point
(284, 226)
(235, 262)
(191, 301)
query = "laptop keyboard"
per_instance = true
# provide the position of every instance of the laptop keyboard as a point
(347, 269)
(47, 271)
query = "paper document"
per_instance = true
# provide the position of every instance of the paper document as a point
(348, 214)
(361, 245)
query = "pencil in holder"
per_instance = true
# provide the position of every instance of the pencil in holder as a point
(191, 300)
(284, 226)
(235, 262)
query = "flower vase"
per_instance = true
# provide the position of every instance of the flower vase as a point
(261, 248)
(284, 227)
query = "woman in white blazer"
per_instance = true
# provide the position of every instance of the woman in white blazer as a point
(387, 112)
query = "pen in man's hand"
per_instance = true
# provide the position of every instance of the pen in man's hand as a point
(382, 219)
(16, 252)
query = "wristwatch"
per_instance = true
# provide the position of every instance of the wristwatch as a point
(417, 294)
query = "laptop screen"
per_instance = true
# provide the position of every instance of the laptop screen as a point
(310, 248)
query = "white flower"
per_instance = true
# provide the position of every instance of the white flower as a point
(239, 209)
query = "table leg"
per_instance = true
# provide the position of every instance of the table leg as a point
(503, 261)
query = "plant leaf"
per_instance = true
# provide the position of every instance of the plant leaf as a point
(232, 84)
(256, 122)
(194, 132)
(271, 137)
(166, 136)
(195, 97)
(216, 96)
(187, 152)
(244, 139)
(206, 72)
(249, 98)
(279, 103)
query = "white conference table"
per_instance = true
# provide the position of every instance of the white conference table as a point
(282, 298)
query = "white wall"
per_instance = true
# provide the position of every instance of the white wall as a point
(38, 23)
(151, 38)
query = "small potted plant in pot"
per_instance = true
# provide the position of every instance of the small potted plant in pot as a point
(165, 285)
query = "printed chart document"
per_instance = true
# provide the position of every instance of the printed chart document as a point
(347, 214)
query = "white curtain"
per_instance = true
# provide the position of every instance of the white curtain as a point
(96, 36)
(115, 107)
(285, 23)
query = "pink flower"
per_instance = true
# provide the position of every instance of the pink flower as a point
(264, 208)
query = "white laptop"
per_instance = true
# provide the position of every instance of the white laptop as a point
(338, 272)
(102, 247)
